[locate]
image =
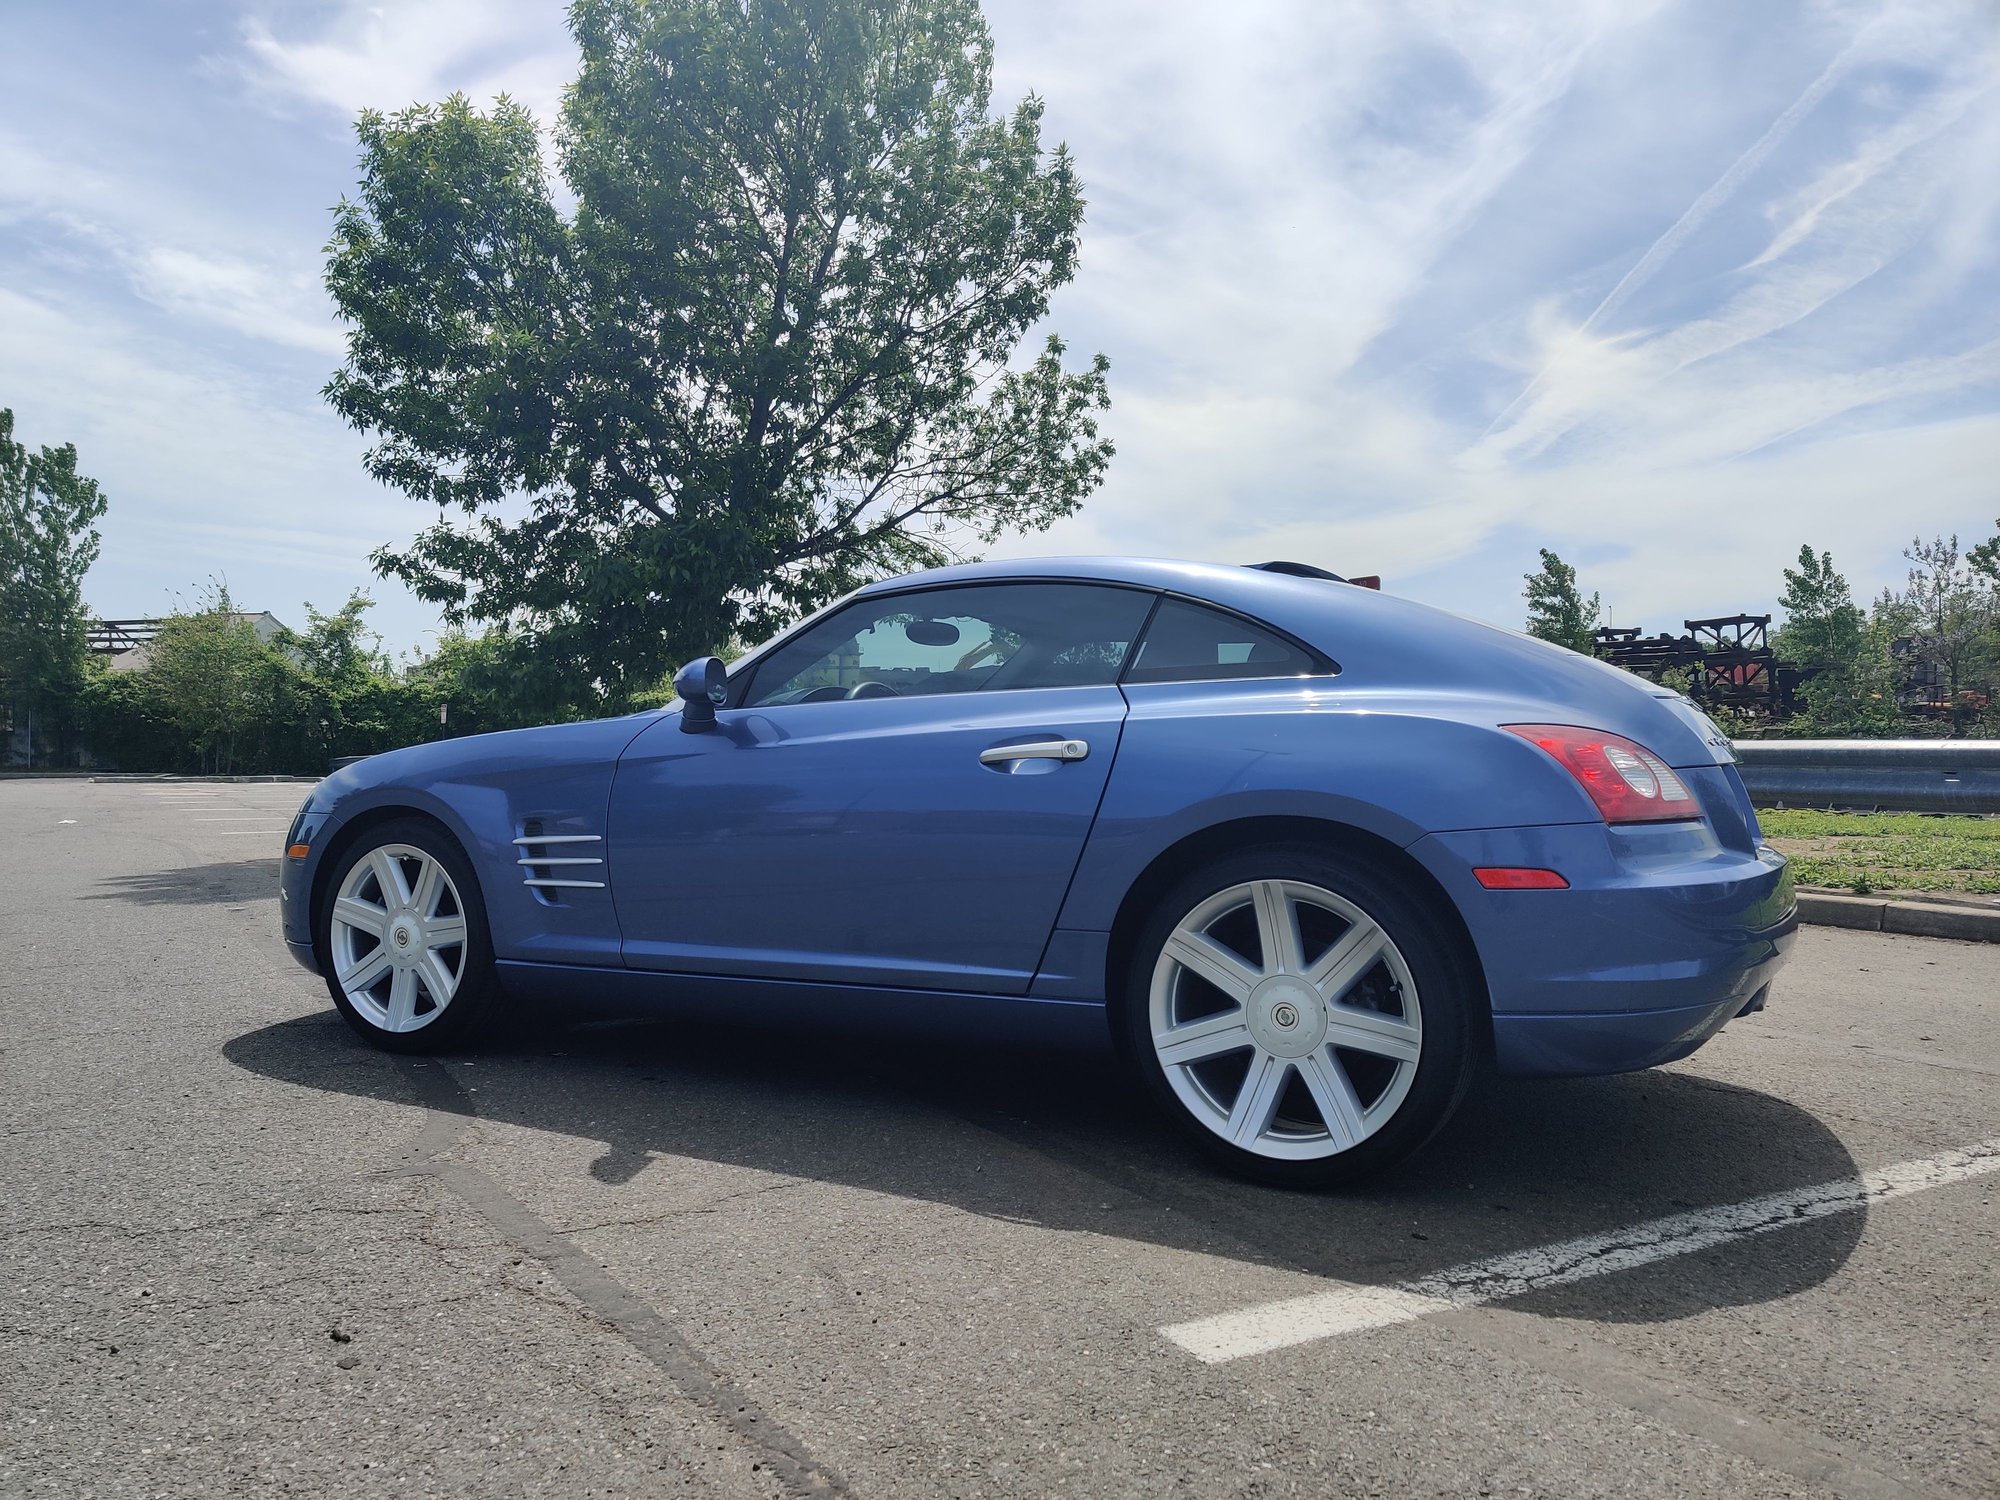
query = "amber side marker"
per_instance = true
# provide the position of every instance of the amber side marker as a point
(298, 851)
(1515, 878)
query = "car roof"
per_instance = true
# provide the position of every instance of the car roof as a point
(1224, 583)
(1372, 635)
(1305, 607)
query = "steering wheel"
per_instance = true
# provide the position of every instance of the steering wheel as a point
(872, 690)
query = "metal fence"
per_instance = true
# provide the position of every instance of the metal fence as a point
(1932, 776)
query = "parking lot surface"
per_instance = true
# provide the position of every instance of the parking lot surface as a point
(619, 1255)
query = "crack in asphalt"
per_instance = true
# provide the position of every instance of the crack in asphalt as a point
(448, 1118)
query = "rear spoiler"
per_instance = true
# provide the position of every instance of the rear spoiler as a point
(1307, 570)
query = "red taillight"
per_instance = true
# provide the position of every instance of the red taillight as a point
(1516, 878)
(1628, 782)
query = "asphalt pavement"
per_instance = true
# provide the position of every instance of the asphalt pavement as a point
(642, 1255)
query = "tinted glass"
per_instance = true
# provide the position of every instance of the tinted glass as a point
(979, 639)
(1190, 643)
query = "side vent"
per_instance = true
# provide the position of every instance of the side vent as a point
(564, 869)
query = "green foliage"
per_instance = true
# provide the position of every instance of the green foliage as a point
(48, 540)
(501, 680)
(768, 355)
(1949, 611)
(214, 698)
(225, 690)
(1985, 558)
(1855, 698)
(126, 723)
(1822, 623)
(1557, 610)
(1887, 851)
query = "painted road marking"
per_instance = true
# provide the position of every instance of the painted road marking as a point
(1346, 1307)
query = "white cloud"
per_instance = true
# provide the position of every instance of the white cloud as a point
(208, 470)
(389, 55)
(252, 299)
(106, 222)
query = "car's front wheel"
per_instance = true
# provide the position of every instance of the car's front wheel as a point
(403, 940)
(1304, 1016)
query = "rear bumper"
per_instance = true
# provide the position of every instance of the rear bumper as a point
(1664, 935)
(1618, 1041)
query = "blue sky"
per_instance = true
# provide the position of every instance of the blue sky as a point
(1395, 287)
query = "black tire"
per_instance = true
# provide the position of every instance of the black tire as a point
(1446, 982)
(476, 1008)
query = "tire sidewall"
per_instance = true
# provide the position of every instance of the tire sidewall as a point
(475, 1005)
(1445, 987)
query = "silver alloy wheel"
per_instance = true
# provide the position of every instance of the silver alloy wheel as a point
(398, 937)
(1286, 1020)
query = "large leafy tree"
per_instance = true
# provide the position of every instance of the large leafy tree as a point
(48, 540)
(1557, 610)
(771, 349)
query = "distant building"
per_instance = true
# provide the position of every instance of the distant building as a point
(129, 643)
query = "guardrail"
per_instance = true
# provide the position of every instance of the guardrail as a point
(1931, 776)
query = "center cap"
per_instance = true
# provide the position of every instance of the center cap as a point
(404, 939)
(1286, 1016)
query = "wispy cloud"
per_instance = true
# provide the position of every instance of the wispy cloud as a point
(1406, 286)
(368, 55)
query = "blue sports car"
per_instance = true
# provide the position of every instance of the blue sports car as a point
(1315, 852)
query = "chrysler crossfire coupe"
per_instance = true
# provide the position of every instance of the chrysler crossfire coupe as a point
(1314, 852)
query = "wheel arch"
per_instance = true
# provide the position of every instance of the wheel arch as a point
(1222, 839)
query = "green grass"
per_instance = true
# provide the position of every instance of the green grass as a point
(1888, 851)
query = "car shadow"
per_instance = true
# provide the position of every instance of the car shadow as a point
(194, 885)
(1053, 1133)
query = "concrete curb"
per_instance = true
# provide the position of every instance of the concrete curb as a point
(1914, 918)
(260, 780)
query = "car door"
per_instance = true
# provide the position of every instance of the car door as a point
(896, 796)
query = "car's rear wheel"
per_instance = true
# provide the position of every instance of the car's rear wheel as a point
(1304, 1016)
(403, 940)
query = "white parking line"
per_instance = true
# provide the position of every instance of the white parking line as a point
(1346, 1307)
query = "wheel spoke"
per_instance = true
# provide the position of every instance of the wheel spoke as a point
(357, 913)
(1197, 1041)
(429, 885)
(389, 875)
(1201, 954)
(1277, 928)
(402, 999)
(438, 978)
(1339, 1107)
(1370, 1031)
(442, 932)
(1257, 1101)
(1348, 961)
(364, 971)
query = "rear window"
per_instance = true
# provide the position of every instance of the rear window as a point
(1193, 643)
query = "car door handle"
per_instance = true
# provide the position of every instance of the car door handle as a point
(999, 755)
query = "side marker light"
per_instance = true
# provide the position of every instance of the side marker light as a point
(1515, 878)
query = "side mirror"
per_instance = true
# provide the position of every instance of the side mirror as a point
(700, 685)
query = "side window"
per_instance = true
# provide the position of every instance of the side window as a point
(1191, 643)
(971, 639)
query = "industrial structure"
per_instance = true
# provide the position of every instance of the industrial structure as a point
(1728, 660)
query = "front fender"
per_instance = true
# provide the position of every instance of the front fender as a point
(488, 791)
